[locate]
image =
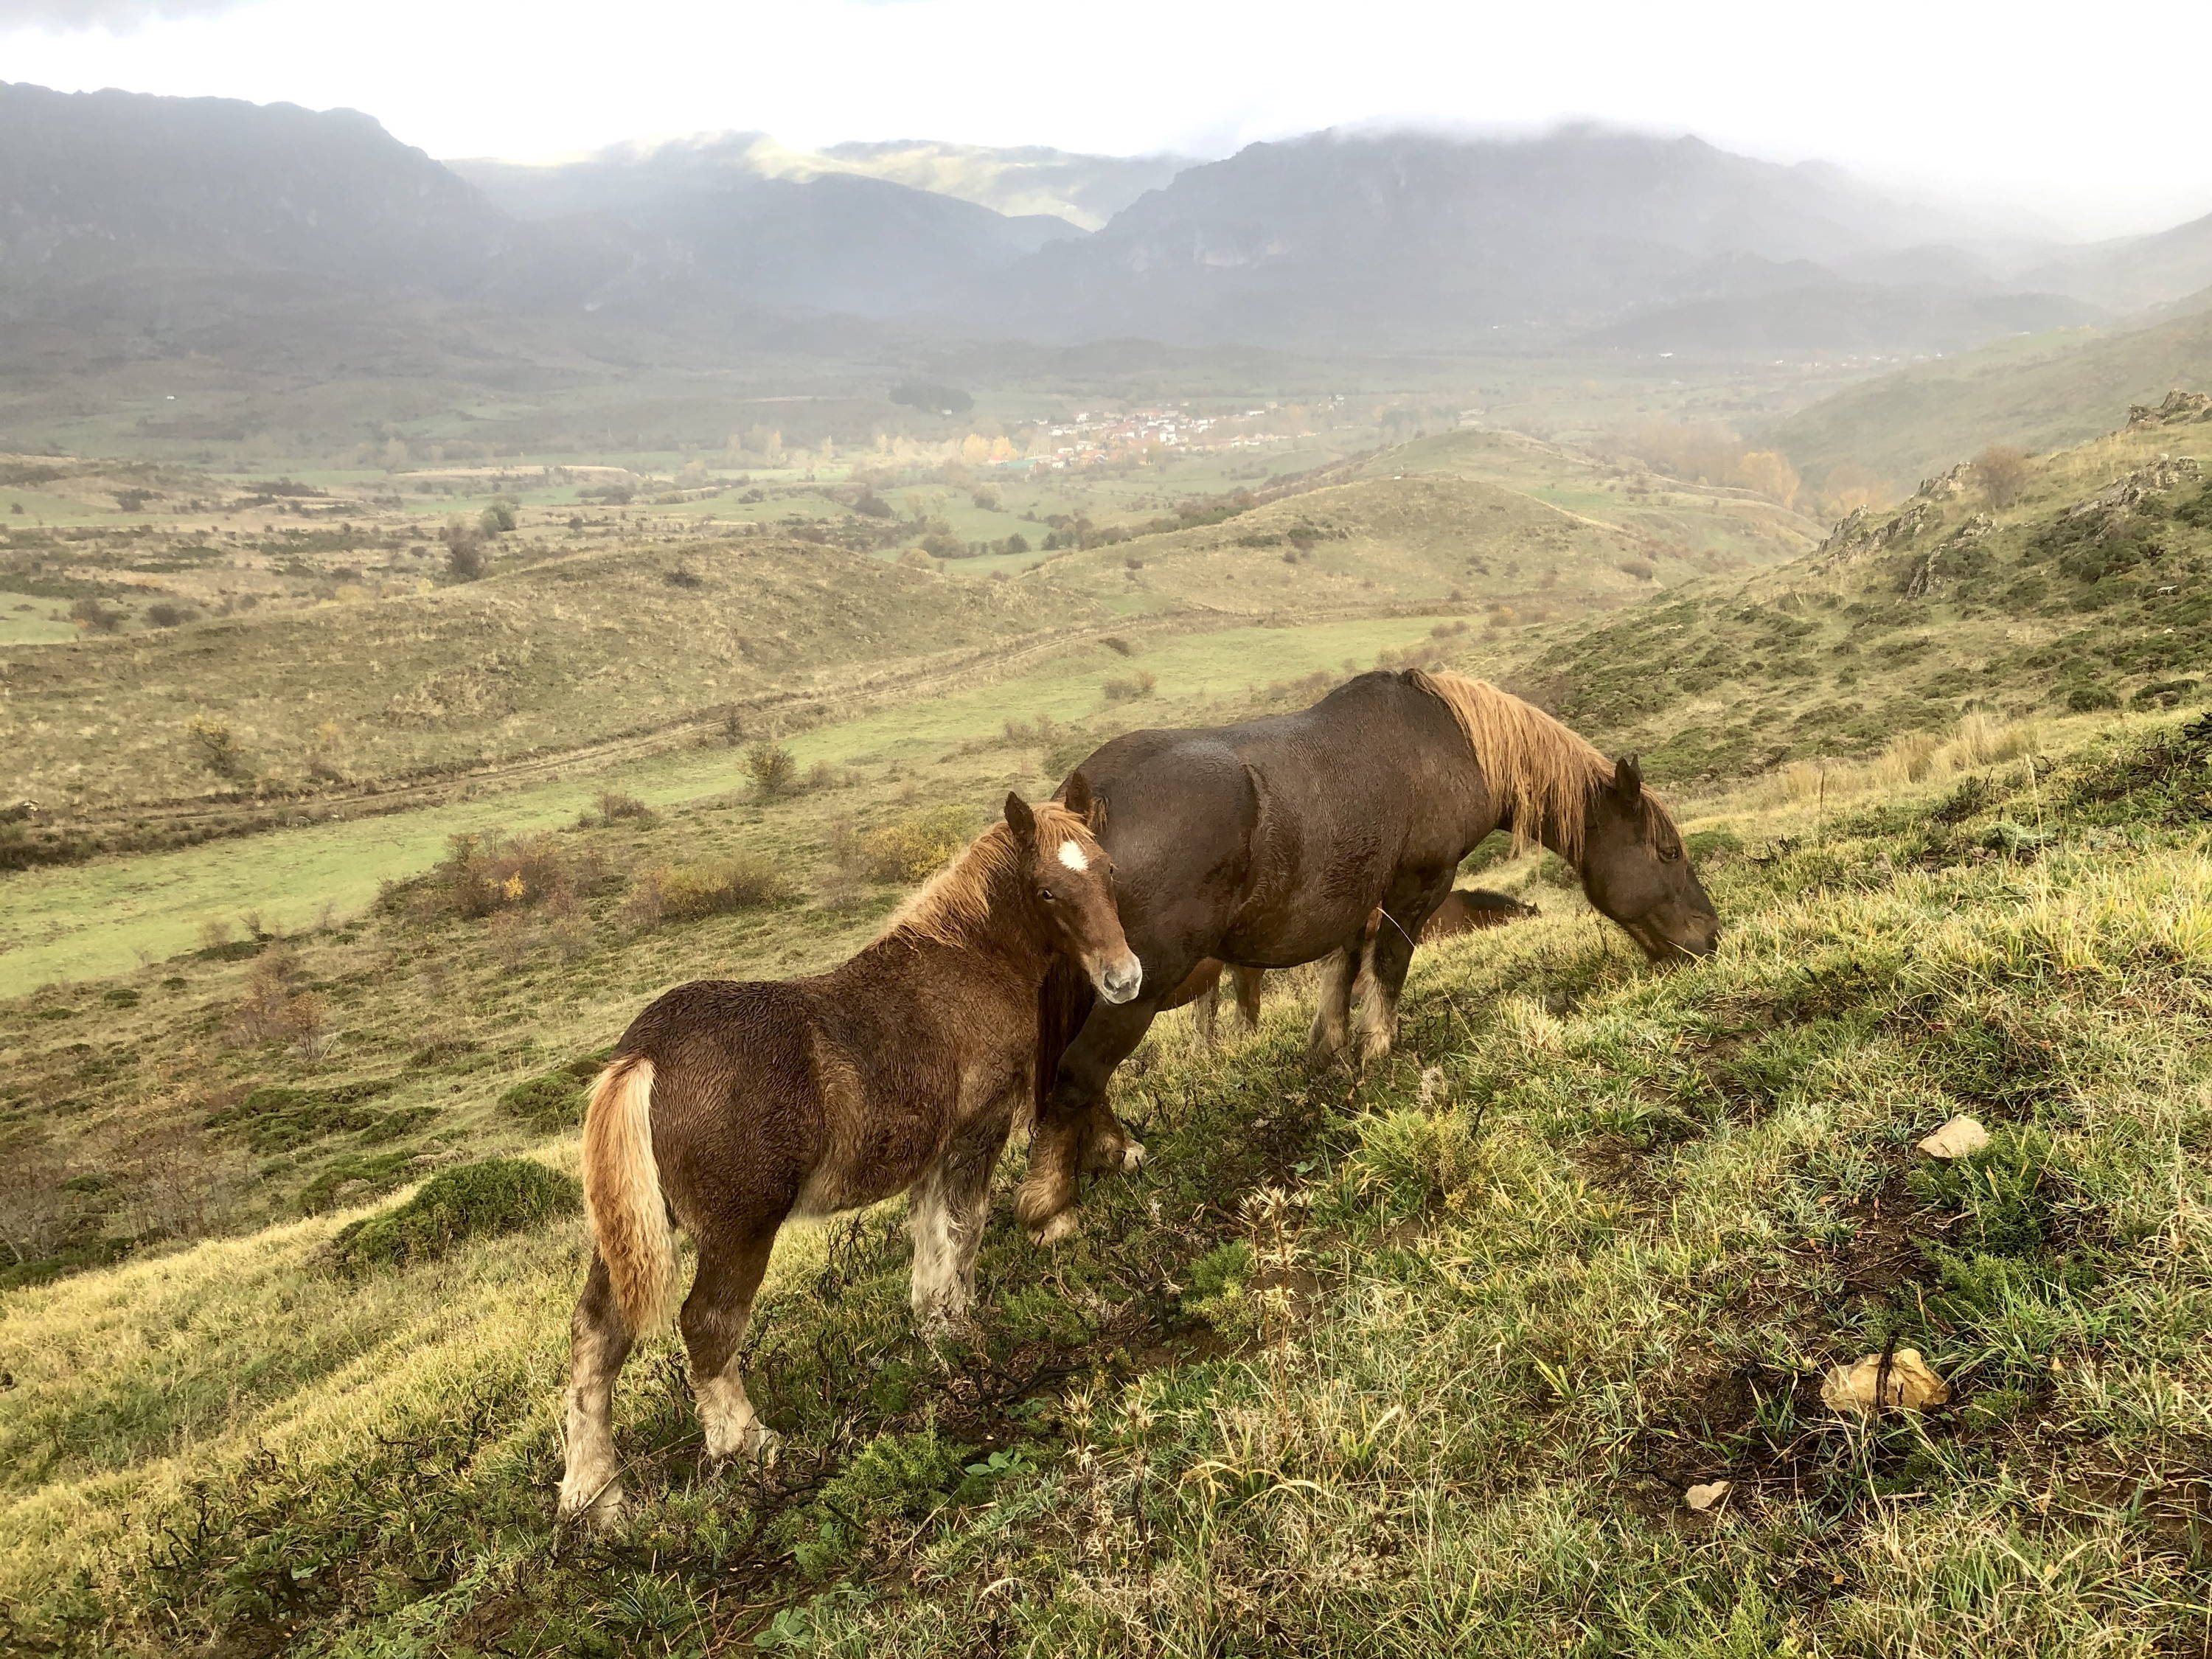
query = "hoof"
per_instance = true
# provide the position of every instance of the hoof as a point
(1056, 1228)
(755, 1443)
(601, 1509)
(1132, 1157)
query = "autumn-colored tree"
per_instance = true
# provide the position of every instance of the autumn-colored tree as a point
(1770, 475)
(1850, 486)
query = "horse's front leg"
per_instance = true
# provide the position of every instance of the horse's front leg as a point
(1383, 977)
(946, 1209)
(1077, 1130)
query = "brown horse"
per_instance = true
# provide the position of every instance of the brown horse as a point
(1465, 910)
(730, 1108)
(1269, 843)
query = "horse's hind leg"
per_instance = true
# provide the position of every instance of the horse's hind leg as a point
(730, 1264)
(1332, 1012)
(598, 1342)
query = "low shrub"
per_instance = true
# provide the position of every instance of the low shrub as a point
(473, 1201)
(484, 873)
(1140, 684)
(712, 887)
(918, 846)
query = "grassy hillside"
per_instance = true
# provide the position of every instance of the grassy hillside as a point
(1484, 520)
(555, 656)
(1424, 1360)
(1716, 528)
(2041, 394)
(2088, 591)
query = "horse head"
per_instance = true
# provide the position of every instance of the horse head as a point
(1070, 884)
(1636, 870)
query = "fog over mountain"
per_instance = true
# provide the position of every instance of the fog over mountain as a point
(1584, 238)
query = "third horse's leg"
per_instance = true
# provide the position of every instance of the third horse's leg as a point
(1383, 977)
(1248, 982)
(1332, 1012)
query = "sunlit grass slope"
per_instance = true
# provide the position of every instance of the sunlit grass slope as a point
(1423, 1361)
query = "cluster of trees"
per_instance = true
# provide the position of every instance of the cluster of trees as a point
(1712, 454)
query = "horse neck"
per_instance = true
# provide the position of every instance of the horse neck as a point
(1548, 835)
(999, 948)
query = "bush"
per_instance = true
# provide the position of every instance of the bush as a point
(475, 1201)
(2082, 699)
(774, 769)
(917, 847)
(615, 807)
(712, 887)
(1140, 684)
(94, 618)
(165, 614)
(484, 873)
(216, 747)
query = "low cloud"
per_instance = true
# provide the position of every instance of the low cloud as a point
(116, 17)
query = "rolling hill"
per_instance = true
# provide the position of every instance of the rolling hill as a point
(2040, 393)
(553, 657)
(2088, 593)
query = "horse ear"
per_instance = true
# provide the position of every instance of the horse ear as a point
(1079, 801)
(1019, 818)
(1627, 778)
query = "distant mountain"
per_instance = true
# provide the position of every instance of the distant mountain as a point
(1405, 239)
(1832, 315)
(834, 241)
(1086, 191)
(96, 185)
(2137, 272)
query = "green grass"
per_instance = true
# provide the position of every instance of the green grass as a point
(37, 623)
(1419, 1361)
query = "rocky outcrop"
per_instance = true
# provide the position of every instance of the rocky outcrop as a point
(2180, 408)
(2161, 476)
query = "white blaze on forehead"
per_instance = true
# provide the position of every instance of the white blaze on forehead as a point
(1072, 856)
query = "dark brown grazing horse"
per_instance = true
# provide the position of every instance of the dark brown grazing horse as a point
(730, 1108)
(1465, 910)
(1269, 843)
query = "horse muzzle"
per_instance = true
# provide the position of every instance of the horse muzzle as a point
(1118, 981)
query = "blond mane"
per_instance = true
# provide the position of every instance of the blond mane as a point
(956, 903)
(1537, 769)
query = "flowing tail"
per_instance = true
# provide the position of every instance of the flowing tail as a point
(622, 1194)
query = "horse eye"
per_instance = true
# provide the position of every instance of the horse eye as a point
(1670, 853)
(1046, 895)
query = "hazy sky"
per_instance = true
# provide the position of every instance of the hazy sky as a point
(2095, 117)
